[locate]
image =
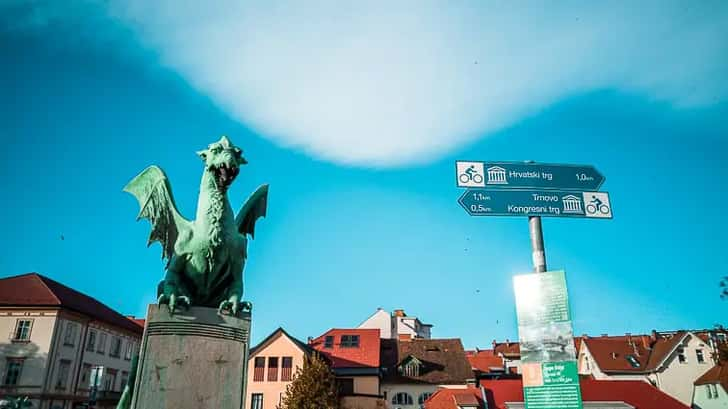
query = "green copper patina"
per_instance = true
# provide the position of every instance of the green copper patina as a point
(206, 256)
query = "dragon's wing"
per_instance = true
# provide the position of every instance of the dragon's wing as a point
(154, 193)
(254, 208)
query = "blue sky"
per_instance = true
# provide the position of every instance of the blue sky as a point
(363, 209)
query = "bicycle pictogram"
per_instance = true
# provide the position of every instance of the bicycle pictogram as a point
(470, 174)
(597, 205)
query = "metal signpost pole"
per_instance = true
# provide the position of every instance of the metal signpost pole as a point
(538, 253)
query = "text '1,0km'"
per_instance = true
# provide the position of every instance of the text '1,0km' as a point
(525, 175)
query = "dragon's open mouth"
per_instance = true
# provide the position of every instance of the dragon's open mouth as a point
(225, 174)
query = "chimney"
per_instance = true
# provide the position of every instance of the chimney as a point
(399, 313)
(494, 344)
(310, 340)
(508, 343)
(629, 337)
(646, 342)
(653, 336)
(614, 355)
(405, 337)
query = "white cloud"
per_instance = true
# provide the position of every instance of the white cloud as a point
(391, 83)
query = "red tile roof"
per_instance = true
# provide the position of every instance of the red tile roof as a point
(443, 361)
(365, 356)
(139, 321)
(483, 361)
(35, 290)
(610, 352)
(639, 394)
(446, 398)
(715, 375)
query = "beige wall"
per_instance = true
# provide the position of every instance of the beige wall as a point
(702, 401)
(362, 402)
(272, 392)
(35, 351)
(48, 350)
(676, 379)
(415, 390)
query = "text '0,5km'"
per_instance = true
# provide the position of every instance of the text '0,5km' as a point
(487, 202)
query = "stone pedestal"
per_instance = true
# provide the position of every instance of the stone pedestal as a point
(193, 359)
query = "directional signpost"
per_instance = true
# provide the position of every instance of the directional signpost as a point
(527, 175)
(535, 189)
(559, 203)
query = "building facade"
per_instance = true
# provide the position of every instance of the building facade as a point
(413, 369)
(670, 361)
(271, 367)
(58, 340)
(711, 389)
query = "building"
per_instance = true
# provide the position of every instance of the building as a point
(355, 358)
(397, 325)
(57, 338)
(711, 389)
(670, 361)
(413, 369)
(508, 394)
(271, 366)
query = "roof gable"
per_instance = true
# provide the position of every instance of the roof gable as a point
(280, 332)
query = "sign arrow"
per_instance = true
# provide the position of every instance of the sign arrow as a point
(556, 203)
(525, 175)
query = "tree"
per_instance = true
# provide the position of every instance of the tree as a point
(313, 386)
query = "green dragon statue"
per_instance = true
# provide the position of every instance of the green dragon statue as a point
(205, 257)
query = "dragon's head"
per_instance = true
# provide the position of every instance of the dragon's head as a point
(223, 160)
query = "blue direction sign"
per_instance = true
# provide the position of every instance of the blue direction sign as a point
(558, 203)
(525, 175)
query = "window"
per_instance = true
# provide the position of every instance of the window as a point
(586, 363)
(259, 369)
(272, 368)
(13, 368)
(681, 355)
(124, 379)
(402, 398)
(411, 368)
(110, 380)
(287, 368)
(633, 361)
(345, 386)
(115, 347)
(22, 330)
(423, 397)
(85, 376)
(101, 347)
(329, 341)
(70, 336)
(91, 342)
(699, 356)
(350, 341)
(256, 401)
(714, 389)
(127, 351)
(64, 366)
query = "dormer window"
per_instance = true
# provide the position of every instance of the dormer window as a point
(411, 367)
(350, 341)
(329, 341)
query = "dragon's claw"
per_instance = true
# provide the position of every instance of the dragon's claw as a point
(174, 301)
(234, 305)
